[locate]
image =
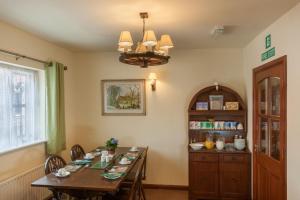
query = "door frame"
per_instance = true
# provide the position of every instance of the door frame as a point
(282, 60)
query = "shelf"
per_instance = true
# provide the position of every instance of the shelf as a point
(213, 130)
(218, 112)
(214, 150)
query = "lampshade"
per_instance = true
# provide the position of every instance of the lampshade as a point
(140, 48)
(125, 39)
(157, 48)
(166, 42)
(124, 49)
(146, 52)
(149, 39)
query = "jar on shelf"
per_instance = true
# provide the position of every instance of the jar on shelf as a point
(209, 143)
(220, 144)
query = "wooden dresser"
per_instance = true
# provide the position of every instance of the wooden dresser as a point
(215, 174)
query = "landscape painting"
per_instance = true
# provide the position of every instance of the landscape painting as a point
(123, 97)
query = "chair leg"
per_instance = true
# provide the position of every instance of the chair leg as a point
(143, 193)
(56, 195)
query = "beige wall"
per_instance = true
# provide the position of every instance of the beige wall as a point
(164, 128)
(16, 40)
(285, 37)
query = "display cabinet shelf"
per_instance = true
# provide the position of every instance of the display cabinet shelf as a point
(214, 130)
(217, 112)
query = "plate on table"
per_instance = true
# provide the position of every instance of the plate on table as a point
(62, 175)
(89, 156)
(97, 153)
(72, 168)
(133, 150)
(118, 169)
(128, 162)
(112, 175)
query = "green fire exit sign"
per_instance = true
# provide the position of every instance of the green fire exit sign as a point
(268, 42)
(269, 53)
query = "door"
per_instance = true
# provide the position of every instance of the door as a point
(269, 131)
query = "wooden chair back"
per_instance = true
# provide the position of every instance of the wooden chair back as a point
(137, 183)
(145, 165)
(77, 152)
(54, 163)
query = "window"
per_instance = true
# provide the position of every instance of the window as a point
(22, 106)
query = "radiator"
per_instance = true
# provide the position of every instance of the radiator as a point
(19, 187)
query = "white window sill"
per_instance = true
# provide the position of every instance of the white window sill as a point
(22, 147)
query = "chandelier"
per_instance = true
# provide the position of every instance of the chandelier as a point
(148, 51)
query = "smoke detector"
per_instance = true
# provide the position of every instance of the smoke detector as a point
(217, 30)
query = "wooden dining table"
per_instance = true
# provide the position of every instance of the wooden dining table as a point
(87, 181)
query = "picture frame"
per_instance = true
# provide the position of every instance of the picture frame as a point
(123, 97)
(216, 102)
(231, 105)
(201, 105)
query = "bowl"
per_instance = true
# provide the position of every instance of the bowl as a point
(240, 144)
(196, 146)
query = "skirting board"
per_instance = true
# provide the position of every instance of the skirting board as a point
(166, 187)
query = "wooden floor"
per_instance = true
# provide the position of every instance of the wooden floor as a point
(158, 194)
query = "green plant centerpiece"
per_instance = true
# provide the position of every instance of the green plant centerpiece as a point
(111, 144)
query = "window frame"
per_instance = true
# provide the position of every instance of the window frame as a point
(42, 85)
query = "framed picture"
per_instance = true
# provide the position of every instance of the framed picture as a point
(202, 106)
(123, 97)
(216, 102)
(232, 105)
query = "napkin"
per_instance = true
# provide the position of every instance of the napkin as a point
(112, 176)
(100, 165)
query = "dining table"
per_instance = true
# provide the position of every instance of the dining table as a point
(88, 180)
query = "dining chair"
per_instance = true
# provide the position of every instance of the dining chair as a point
(137, 185)
(134, 191)
(77, 152)
(52, 164)
(131, 175)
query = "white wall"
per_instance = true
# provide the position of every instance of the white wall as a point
(21, 42)
(285, 37)
(164, 128)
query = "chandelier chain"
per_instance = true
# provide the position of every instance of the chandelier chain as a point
(144, 26)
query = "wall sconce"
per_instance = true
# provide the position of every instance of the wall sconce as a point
(152, 77)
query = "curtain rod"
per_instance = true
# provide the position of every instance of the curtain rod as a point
(27, 57)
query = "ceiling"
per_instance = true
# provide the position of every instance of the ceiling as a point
(94, 25)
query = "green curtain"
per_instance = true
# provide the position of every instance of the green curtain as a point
(55, 108)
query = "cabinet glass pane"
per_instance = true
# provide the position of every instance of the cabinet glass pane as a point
(263, 93)
(264, 135)
(275, 95)
(275, 140)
